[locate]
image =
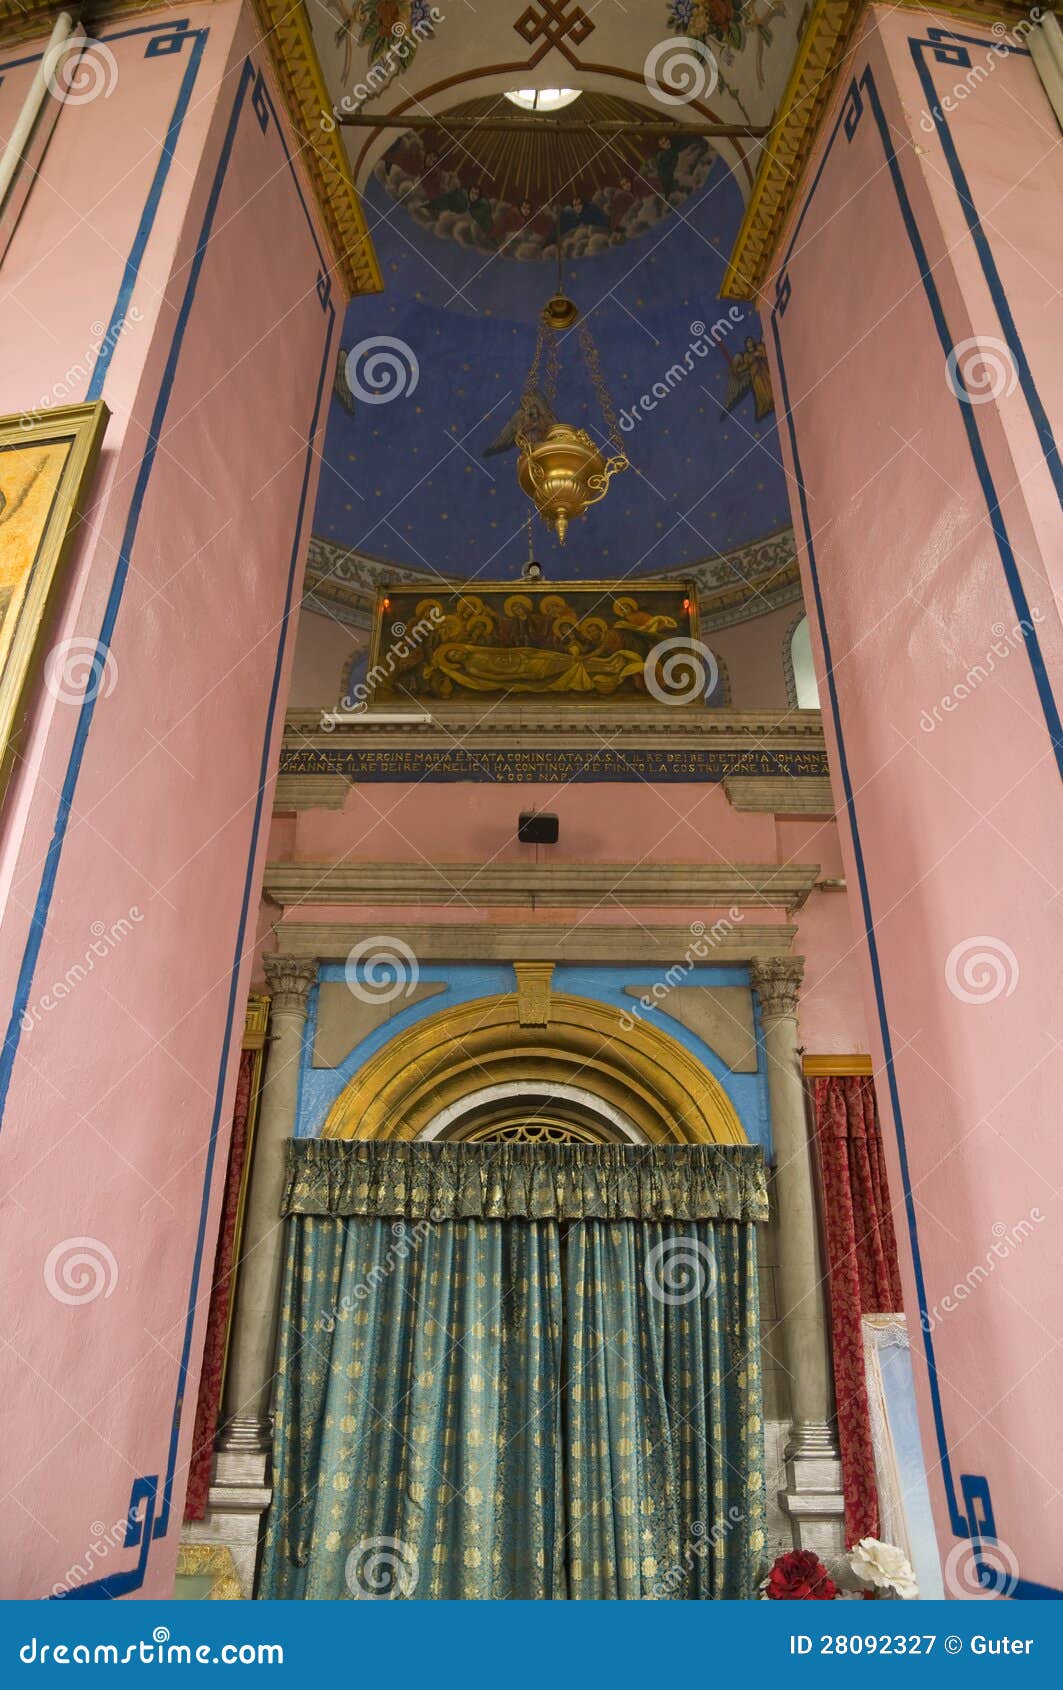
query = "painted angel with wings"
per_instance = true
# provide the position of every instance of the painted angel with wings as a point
(749, 374)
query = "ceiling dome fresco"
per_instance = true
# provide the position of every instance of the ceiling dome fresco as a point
(434, 373)
(421, 457)
(514, 191)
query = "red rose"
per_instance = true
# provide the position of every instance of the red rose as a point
(800, 1576)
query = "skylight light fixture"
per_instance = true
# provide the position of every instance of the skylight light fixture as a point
(542, 99)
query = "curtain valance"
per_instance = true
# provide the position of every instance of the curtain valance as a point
(512, 1181)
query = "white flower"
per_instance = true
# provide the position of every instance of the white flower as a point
(883, 1565)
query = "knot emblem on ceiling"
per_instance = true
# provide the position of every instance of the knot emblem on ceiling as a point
(554, 21)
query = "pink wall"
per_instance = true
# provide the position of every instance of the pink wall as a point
(956, 826)
(119, 1081)
(598, 824)
(323, 651)
(753, 653)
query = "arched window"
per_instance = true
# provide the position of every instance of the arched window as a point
(801, 683)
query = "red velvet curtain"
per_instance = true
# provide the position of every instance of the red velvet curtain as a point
(208, 1404)
(863, 1270)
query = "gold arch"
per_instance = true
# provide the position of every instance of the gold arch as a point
(647, 1074)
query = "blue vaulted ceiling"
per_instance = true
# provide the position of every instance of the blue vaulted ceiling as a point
(412, 479)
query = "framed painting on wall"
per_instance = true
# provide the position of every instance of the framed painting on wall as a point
(46, 461)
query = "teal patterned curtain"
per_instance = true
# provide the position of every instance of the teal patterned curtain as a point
(518, 1371)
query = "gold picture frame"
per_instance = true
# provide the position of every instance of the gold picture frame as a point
(206, 1572)
(46, 461)
(576, 642)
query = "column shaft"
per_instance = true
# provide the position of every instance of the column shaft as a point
(813, 1495)
(249, 1378)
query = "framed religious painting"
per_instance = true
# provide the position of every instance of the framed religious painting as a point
(577, 642)
(46, 462)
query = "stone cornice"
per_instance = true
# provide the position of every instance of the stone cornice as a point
(514, 885)
(289, 43)
(518, 942)
(520, 741)
(821, 53)
(519, 722)
(781, 795)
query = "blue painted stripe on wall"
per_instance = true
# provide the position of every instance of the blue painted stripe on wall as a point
(935, 39)
(122, 1583)
(851, 109)
(171, 26)
(147, 216)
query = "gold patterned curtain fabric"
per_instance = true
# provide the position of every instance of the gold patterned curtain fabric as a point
(512, 1181)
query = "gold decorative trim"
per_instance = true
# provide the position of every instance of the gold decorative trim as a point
(834, 1067)
(60, 447)
(645, 1073)
(821, 53)
(289, 43)
(215, 1561)
(256, 1033)
(533, 992)
(256, 1021)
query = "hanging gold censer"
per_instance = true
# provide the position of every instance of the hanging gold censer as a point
(560, 468)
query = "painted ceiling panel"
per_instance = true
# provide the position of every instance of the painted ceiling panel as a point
(420, 466)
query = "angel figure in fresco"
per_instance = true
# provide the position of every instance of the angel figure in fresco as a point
(749, 374)
(341, 387)
(532, 417)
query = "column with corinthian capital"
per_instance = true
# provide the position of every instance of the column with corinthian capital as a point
(813, 1496)
(240, 1492)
